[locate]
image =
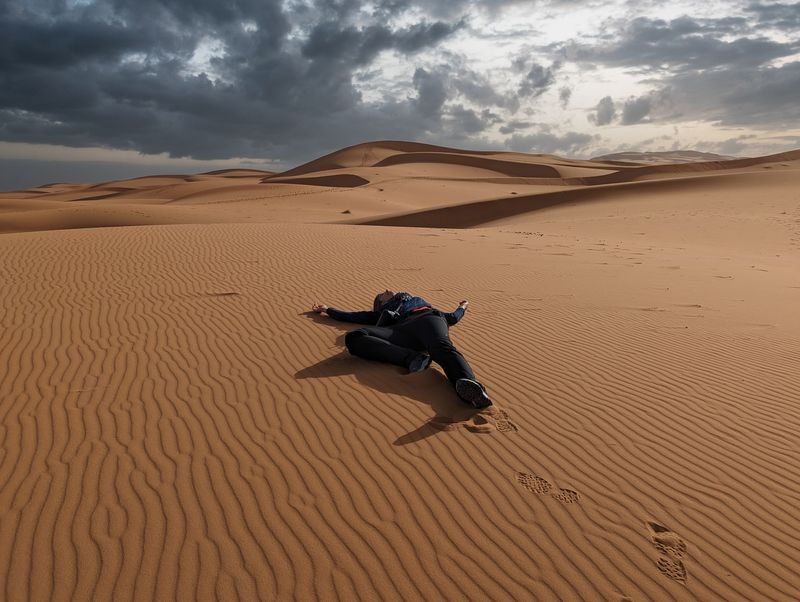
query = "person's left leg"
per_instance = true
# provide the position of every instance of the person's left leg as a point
(382, 344)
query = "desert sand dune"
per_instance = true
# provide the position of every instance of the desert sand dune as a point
(370, 153)
(175, 423)
(670, 169)
(664, 157)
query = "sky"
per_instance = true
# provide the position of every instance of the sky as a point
(92, 90)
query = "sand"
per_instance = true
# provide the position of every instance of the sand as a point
(175, 423)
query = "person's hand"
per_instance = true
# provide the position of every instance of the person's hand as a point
(464, 303)
(319, 308)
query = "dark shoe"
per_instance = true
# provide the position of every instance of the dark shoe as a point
(419, 363)
(473, 393)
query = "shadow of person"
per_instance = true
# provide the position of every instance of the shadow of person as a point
(429, 387)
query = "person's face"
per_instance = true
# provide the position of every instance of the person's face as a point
(385, 296)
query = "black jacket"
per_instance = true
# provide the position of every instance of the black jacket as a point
(402, 303)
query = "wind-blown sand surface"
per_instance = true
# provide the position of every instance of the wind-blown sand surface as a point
(176, 423)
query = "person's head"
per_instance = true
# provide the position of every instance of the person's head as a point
(382, 298)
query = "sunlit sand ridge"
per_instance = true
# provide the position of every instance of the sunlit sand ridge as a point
(175, 423)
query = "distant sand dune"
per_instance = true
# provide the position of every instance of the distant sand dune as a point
(176, 424)
(626, 175)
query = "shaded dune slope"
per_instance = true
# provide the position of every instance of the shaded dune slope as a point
(508, 168)
(481, 213)
(333, 180)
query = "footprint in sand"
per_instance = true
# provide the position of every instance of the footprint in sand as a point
(533, 483)
(487, 421)
(673, 548)
(476, 424)
(500, 418)
(567, 496)
(541, 486)
(503, 422)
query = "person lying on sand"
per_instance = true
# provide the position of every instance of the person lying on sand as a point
(402, 327)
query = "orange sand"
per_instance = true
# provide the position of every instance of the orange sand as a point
(175, 423)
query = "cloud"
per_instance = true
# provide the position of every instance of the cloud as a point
(764, 98)
(479, 90)
(467, 121)
(513, 126)
(571, 143)
(779, 16)
(280, 82)
(679, 45)
(564, 94)
(538, 80)
(605, 111)
(431, 92)
(637, 109)
(735, 146)
(359, 46)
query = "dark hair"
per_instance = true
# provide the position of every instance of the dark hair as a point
(376, 304)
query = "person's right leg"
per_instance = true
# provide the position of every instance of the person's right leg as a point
(382, 344)
(432, 332)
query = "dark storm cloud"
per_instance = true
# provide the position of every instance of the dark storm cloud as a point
(360, 46)
(449, 9)
(57, 45)
(431, 92)
(435, 87)
(468, 121)
(119, 74)
(479, 90)
(765, 98)
(715, 70)
(779, 16)
(683, 44)
(753, 97)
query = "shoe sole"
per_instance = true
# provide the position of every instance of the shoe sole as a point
(471, 392)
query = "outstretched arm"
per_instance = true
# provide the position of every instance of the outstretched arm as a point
(359, 317)
(454, 316)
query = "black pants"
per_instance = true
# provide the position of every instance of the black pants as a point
(398, 344)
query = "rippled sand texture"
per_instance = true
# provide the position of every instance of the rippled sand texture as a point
(175, 423)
